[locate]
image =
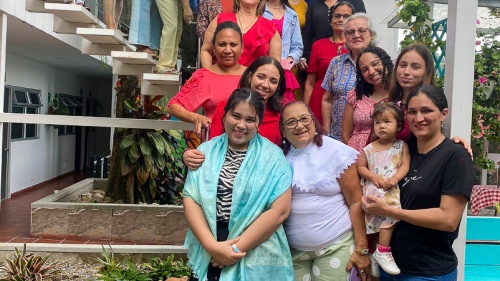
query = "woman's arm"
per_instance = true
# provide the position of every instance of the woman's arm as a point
(193, 158)
(309, 87)
(403, 168)
(207, 48)
(326, 110)
(296, 45)
(267, 223)
(364, 172)
(222, 251)
(348, 123)
(182, 114)
(446, 217)
(275, 47)
(349, 182)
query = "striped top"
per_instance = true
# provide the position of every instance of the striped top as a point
(231, 166)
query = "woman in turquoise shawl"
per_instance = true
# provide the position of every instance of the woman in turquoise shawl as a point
(235, 209)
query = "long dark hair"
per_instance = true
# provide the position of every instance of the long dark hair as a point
(274, 102)
(249, 96)
(318, 140)
(365, 88)
(395, 90)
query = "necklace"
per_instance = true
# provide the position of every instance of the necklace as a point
(339, 47)
(244, 29)
(274, 7)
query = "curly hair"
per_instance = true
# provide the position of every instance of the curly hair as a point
(362, 86)
(320, 132)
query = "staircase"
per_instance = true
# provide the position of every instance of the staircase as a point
(97, 40)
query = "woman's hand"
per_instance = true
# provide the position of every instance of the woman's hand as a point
(375, 205)
(303, 64)
(362, 263)
(200, 121)
(193, 158)
(463, 142)
(223, 254)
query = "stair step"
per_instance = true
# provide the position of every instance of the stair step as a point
(160, 84)
(102, 41)
(132, 63)
(72, 13)
(38, 6)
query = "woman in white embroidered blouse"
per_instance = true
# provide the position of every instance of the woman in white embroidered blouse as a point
(326, 220)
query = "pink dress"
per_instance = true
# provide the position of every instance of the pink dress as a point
(205, 89)
(362, 119)
(385, 164)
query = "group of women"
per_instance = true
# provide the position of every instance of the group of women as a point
(298, 213)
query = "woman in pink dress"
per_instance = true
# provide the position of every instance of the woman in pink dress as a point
(208, 86)
(322, 53)
(374, 67)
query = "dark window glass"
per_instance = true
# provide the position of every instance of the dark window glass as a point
(35, 98)
(21, 97)
(30, 130)
(16, 131)
(17, 109)
(31, 110)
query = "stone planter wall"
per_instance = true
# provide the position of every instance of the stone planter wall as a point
(54, 216)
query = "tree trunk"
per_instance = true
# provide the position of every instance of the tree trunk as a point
(117, 183)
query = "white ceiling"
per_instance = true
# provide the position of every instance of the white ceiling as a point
(30, 42)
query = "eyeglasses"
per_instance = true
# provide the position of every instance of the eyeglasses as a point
(362, 31)
(305, 120)
(338, 16)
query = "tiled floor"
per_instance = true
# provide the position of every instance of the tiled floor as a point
(15, 215)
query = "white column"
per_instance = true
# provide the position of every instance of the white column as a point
(458, 86)
(3, 51)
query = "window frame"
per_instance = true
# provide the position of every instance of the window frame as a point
(30, 104)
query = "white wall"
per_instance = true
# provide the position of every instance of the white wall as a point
(379, 13)
(37, 160)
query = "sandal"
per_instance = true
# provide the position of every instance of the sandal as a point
(169, 70)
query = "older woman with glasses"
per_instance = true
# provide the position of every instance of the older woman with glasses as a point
(340, 77)
(325, 228)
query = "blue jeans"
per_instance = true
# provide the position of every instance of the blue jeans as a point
(452, 276)
(145, 24)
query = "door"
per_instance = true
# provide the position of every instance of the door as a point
(5, 147)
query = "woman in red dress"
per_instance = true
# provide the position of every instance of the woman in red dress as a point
(260, 37)
(322, 53)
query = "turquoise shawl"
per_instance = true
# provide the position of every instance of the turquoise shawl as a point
(264, 175)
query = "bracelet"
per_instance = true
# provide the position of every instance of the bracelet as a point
(235, 248)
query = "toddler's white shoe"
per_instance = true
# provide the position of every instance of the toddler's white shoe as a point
(375, 268)
(386, 261)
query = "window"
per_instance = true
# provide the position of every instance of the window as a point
(74, 105)
(24, 101)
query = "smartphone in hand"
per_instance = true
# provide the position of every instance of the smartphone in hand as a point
(286, 64)
(354, 275)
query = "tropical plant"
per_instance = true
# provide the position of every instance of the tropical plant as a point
(28, 267)
(148, 160)
(163, 269)
(415, 13)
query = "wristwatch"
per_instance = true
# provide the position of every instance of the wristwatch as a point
(235, 248)
(362, 251)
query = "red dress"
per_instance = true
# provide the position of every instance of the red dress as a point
(205, 89)
(269, 128)
(256, 40)
(323, 51)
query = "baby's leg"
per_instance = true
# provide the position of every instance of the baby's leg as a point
(385, 236)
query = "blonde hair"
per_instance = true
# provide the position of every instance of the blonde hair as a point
(260, 8)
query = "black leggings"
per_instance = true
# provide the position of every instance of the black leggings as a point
(213, 273)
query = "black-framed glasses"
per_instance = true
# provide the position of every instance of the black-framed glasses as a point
(338, 16)
(362, 31)
(305, 120)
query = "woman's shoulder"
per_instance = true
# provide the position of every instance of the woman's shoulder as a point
(291, 12)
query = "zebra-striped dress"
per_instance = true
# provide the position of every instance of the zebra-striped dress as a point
(231, 166)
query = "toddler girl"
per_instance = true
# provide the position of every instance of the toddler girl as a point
(382, 164)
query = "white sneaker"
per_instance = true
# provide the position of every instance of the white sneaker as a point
(386, 261)
(375, 270)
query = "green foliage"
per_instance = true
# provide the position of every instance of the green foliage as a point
(157, 269)
(486, 103)
(163, 269)
(415, 13)
(152, 156)
(30, 267)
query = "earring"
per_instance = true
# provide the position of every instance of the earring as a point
(284, 142)
(315, 133)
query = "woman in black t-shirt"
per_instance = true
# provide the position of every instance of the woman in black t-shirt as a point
(434, 193)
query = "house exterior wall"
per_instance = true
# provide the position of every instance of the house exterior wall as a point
(36, 160)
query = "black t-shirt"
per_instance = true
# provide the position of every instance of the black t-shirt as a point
(445, 170)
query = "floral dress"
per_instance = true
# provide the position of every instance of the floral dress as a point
(361, 118)
(385, 164)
